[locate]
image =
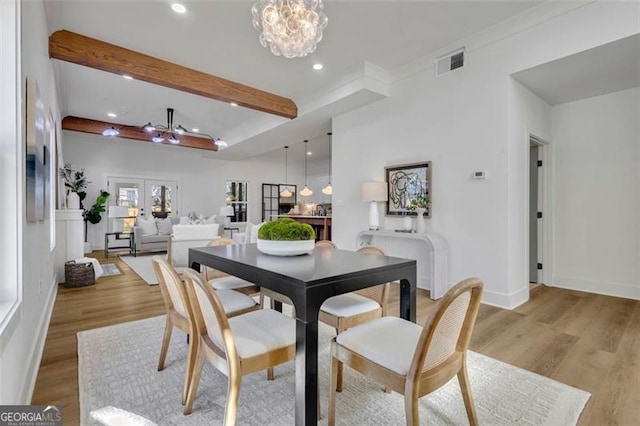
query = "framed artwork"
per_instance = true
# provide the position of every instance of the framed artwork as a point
(35, 158)
(406, 182)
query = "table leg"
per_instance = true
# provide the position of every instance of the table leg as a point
(106, 245)
(306, 372)
(408, 299)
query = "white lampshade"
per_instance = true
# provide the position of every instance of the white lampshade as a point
(226, 211)
(374, 191)
(118, 211)
(327, 190)
(306, 191)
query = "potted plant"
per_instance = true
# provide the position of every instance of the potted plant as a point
(75, 182)
(420, 204)
(286, 237)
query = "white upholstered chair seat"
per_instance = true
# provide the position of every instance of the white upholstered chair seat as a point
(262, 331)
(387, 341)
(229, 283)
(348, 304)
(233, 301)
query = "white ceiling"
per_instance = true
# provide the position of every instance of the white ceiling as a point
(217, 37)
(605, 69)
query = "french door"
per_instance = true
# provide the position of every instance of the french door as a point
(144, 197)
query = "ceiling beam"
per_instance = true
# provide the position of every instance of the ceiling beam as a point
(78, 49)
(86, 125)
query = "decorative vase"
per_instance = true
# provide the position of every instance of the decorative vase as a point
(286, 248)
(73, 201)
(420, 224)
(407, 224)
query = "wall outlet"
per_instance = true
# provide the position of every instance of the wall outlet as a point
(479, 174)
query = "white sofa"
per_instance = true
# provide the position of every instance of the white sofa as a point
(250, 235)
(185, 237)
(152, 235)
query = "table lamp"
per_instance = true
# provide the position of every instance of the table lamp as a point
(373, 192)
(117, 213)
(226, 212)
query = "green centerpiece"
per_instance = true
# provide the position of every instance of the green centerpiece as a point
(286, 237)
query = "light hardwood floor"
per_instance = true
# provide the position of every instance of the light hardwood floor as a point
(588, 341)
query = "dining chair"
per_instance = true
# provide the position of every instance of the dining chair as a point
(221, 281)
(179, 310)
(236, 346)
(325, 244)
(350, 309)
(413, 360)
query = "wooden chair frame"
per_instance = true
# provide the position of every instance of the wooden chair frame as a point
(224, 359)
(164, 271)
(379, 293)
(417, 382)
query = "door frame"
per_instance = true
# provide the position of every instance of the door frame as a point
(545, 235)
(143, 181)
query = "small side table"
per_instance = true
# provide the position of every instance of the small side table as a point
(231, 229)
(119, 236)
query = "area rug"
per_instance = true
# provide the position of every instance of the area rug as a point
(142, 266)
(109, 269)
(117, 367)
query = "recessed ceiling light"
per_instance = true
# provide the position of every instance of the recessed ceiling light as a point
(112, 114)
(127, 77)
(233, 104)
(309, 153)
(178, 8)
(318, 66)
(194, 130)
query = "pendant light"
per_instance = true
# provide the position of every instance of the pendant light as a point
(328, 190)
(305, 191)
(285, 192)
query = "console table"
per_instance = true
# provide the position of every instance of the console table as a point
(128, 236)
(429, 250)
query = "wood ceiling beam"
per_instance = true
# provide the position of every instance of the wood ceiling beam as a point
(86, 125)
(78, 49)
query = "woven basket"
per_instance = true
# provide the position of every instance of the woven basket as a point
(78, 274)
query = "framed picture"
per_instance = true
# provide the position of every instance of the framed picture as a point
(35, 164)
(406, 182)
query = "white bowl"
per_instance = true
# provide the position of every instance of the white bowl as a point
(286, 248)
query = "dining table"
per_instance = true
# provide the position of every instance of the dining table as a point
(308, 280)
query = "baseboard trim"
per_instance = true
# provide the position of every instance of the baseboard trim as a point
(605, 288)
(506, 301)
(37, 347)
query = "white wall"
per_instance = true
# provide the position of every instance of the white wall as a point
(201, 180)
(596, 152)
(20, 359)
(462, 122)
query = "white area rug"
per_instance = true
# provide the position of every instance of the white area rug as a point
(117, 366)
(109, 269)
(142, 266)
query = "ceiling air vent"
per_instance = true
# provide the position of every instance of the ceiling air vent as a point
(450, 62)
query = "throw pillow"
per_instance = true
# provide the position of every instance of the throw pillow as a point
(148, 226)
(210, 220)
(165, 227)
(184, 220)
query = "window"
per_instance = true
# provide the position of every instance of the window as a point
(237, 198)
(10, 169)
